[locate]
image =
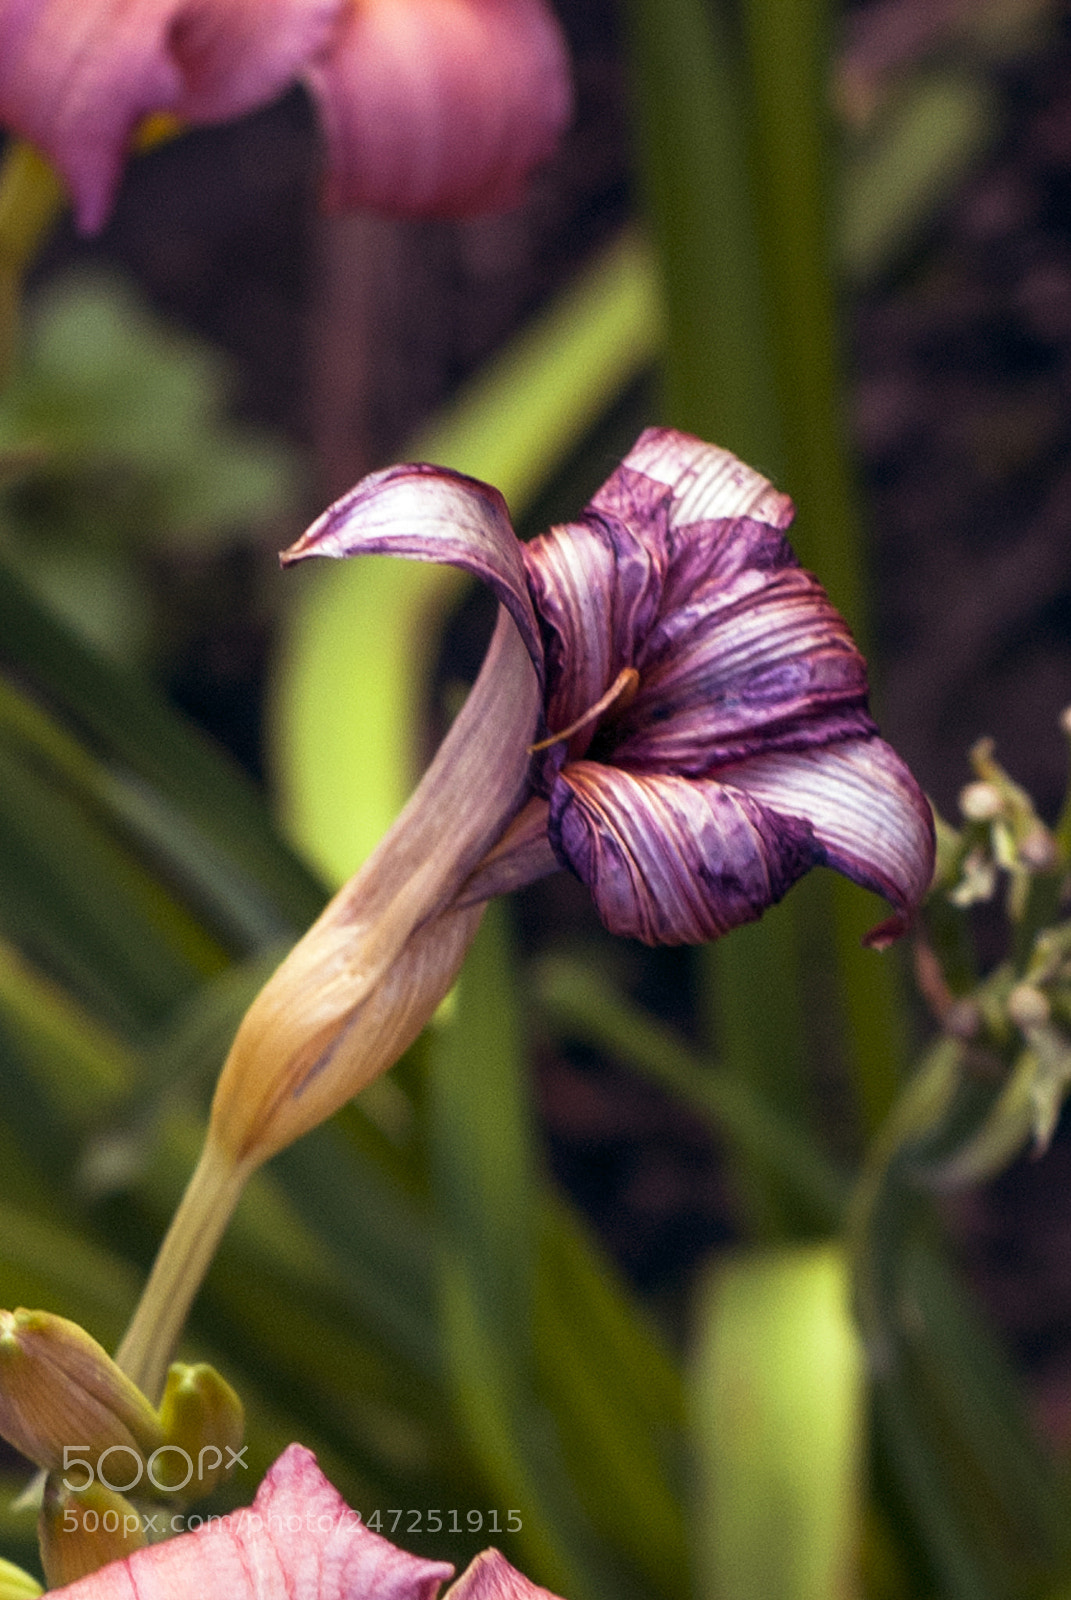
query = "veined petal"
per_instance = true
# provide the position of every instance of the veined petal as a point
(758, 663)
(298, 1541)
(76, 79)
(430, 514)
(673, 860)
(706, 483)
(869, 816)
(441, 106)
(596, 586)
(490, 1577)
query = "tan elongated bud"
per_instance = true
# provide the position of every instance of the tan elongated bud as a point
(80, 1531)
(357, 989)
(61, 1394)
(16, 1584)
(204, 1425)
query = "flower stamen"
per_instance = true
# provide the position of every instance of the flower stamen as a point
(621, 694)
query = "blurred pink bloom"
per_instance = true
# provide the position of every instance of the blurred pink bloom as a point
(430, 107)
(297, 1541)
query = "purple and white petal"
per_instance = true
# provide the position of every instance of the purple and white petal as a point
(596, 586)
(673, 860)
(490, 1577)
(430, 514)
(706, 482)
(760, 663)
(869, 816)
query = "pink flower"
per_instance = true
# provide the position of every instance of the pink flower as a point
(430, 107)
(297, 1541)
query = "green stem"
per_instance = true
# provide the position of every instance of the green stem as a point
(179, 1269)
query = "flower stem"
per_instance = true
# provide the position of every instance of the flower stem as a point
(181, 1263)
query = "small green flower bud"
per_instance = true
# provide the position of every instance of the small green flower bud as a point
(80, 1531)
(16, 1584)
(61, 1394)
(204, 1425)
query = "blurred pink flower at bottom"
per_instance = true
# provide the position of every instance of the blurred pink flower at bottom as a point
(298, 1541)
(430, 107)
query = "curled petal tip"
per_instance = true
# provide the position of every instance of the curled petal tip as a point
(491, 1577)
(869, 816)
(430, 514)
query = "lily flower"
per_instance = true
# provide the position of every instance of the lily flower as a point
(298, 1541)
(706, 738)
(669, 707)
(429, 107)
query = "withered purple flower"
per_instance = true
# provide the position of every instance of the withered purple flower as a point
(707, 738)
(669, 706)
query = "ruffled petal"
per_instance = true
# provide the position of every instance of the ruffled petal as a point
(441, 107)
(490, 1577)
(706, 483)
(673, 860)
(298, 1541)
(430, 514)
(869, 816)
(597, 586)
(756, 663)
(76, 79)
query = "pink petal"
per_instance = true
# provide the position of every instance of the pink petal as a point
(490, 1577)
(869, 816)
(441, 107)
(430, 514)
(673, 860)
(298, 1541)
(76, 78)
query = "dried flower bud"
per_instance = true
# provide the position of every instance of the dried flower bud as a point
(358, 988)
(204, 1425)
(59, 1390)
(80, 1531)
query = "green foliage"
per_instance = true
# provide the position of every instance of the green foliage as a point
(115, 442)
